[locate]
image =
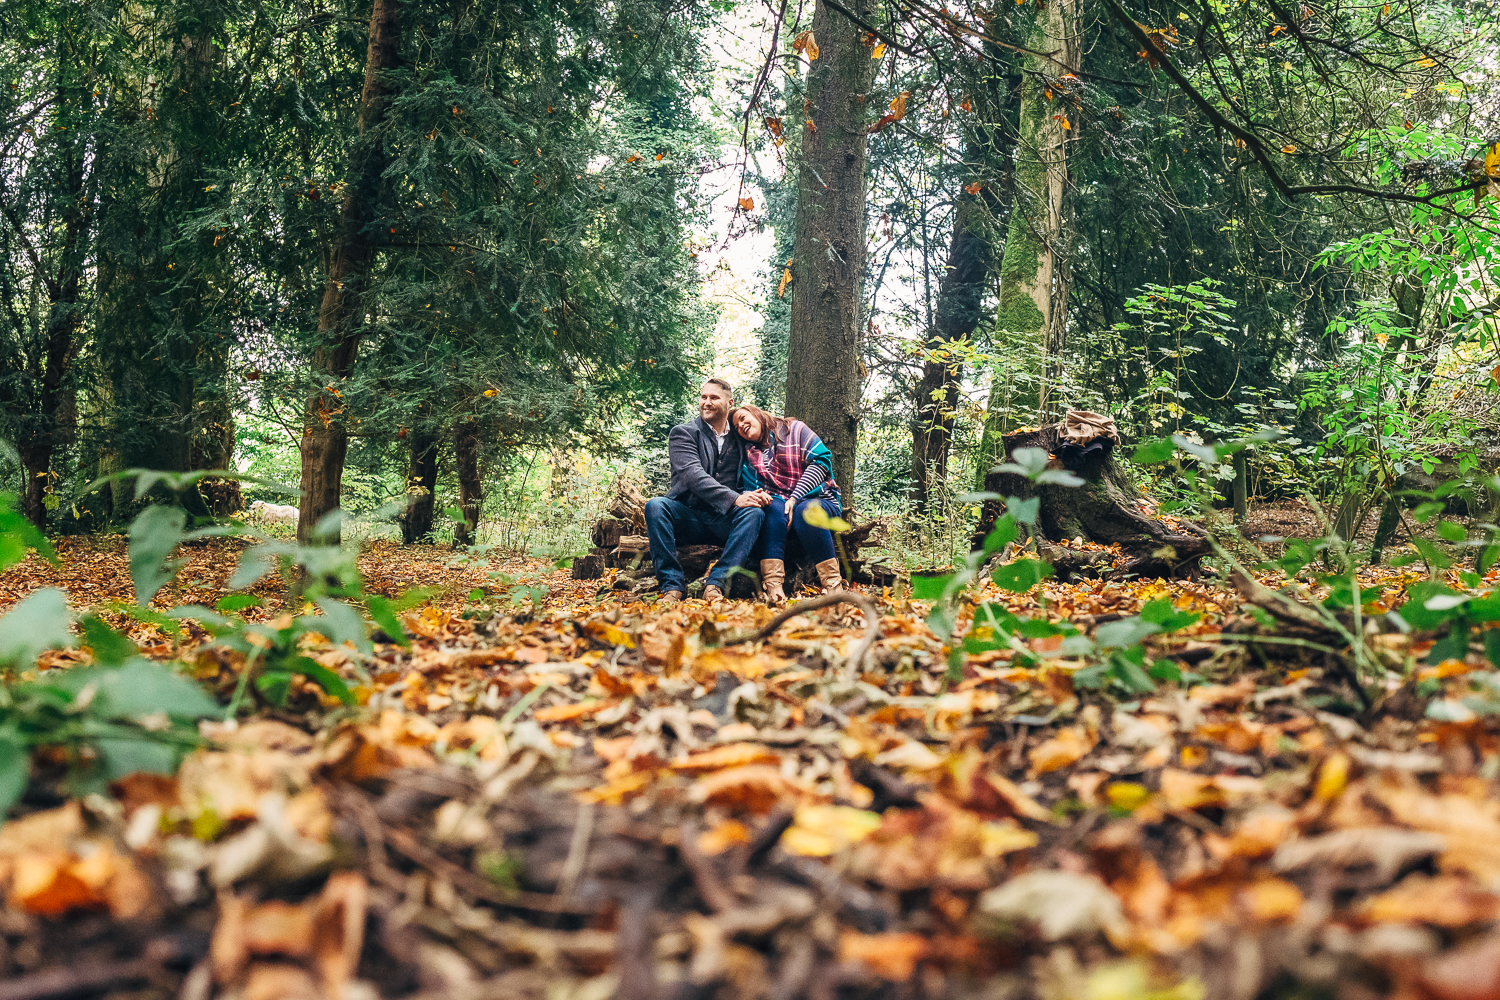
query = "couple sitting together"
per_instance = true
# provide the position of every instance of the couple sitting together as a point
(742, 478)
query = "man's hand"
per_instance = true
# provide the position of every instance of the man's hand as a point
(755, 498)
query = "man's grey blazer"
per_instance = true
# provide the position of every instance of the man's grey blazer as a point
(699, 471)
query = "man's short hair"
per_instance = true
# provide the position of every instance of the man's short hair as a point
(728, 389)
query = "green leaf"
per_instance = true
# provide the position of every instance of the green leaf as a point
(275, 686)
(1128, 670)
(1154, 452)
(237, 602)
(143, 687)
(1125, 632)
(1203, 452)
(15, 769)
(1020, 576)
(930, 588)
(17, 535)
(154, 533)
(110, 648)
(1451, 532)
(384, 615)
(323, 677)
(1431, 553)
(1453, 646)
(135, 754)
(1161, 613)
(1028, 462)
(1058, 477)
(1416, 612)
(1492, 645)
(1024, 511)
(38, 622)
(979, 497)
(343, 623)
(1003, 535)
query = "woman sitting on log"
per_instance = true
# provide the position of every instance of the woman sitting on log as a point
(786, 459)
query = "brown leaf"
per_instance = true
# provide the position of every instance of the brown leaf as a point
(748, 204)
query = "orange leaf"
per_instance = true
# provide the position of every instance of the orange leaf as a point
(890, 956)
(1068, 746)
(577, 710)
(898, 106)
(1288, 149)
(786, 279)
(974, 188)
(964, 104)
(774, 124)
(731, 755)
(877, 51)
(748, 204)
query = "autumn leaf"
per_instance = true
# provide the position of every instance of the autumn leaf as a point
(748, 204)
(974, 188)
(877, 51)
(898, 105)
(786, 279)
(806, 44)
(1288, 149)
(964, 104)
(774, 124)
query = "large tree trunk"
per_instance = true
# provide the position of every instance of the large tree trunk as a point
(470, 485)
(325, 439)
(51, 424)
(823, 368)
(1035, 274)
(421, 486)
(1107, 509)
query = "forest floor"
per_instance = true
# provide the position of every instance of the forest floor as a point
(590, 797)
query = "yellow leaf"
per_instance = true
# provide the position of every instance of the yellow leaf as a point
(818, 518)
(812, 46)
(877, 51)
(1066, 123)
(806, 43)
(1288, 149)
(786, 279)
(748, 204)
(818, 831)
(1127, 795)
(898, 106)
(492, 392)
(1332, 777)
(1492, 161)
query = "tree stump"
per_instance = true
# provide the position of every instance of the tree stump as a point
(1106, 509)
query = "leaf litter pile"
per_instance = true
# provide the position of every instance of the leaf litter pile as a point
(585, 797)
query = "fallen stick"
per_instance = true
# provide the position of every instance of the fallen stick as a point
(856, 656)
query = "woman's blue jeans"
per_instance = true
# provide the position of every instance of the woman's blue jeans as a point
(817, 543)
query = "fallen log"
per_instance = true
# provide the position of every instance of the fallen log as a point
(1107, 509)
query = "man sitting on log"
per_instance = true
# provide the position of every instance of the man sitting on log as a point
(704, 504)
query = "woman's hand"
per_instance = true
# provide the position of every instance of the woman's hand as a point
(755, 498)
(791, 508)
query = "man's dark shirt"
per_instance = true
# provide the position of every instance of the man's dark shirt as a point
(702, 477)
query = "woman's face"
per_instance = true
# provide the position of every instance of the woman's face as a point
(748, 427)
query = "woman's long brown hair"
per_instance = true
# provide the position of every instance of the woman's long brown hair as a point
(768, 423)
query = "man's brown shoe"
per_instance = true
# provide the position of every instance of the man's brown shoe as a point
(669, 598)
(712, 594)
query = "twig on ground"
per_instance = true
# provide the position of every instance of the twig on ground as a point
(856, 656)
(715, 896)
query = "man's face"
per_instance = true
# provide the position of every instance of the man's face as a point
(713, 402)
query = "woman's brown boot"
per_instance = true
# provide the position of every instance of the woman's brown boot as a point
(828, 575)
(772, 575)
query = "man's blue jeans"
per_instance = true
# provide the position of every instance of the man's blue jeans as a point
(817, 543)
(670, 524)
